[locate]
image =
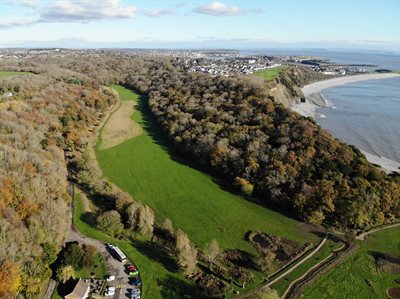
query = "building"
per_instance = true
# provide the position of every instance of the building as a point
(81, 291)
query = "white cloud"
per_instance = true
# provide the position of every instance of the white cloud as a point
(9, 23)
(26, 3)
(160, 13)
(86, 11)
(218, 9)
(221, 9)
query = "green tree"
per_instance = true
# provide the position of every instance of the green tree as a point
(110, 223)
(89, 256)
(72, 255)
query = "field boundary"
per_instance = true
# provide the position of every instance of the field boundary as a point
(311, 269)
(301, 260)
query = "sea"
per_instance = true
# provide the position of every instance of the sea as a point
(365, 114)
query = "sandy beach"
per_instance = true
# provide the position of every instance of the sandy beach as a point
(314, 100)
(312, 91)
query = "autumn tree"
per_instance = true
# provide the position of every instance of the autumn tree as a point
(267, 261)
(186, 253)
(64, 273)
(146, 220)
(212, 250)
(10, 279)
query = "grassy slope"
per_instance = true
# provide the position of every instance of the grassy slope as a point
(269, 74)
(190, 198)
(157, 280)
(348, 280)
(4, 74)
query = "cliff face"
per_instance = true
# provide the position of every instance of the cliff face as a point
(286, 89)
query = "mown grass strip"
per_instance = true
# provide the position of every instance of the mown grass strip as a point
(6, 73)
(270, 74)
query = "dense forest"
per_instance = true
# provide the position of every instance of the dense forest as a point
(234, 127)
(231, 126)
(47, 114)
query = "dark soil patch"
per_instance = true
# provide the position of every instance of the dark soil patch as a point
(387, 263)
(394, 293)
(283, 248)
(212, 286)
(240, 258)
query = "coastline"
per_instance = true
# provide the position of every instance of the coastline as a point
(314, 100)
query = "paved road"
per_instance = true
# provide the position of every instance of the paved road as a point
(50, 289)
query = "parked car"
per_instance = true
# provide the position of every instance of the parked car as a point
(136, 281)
(110, 291)
(135, 294)
(131, 268)
(110, 277)
(133, 273)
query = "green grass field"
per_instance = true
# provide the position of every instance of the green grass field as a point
(269, 74)
(146, 168)
(349, 279)
(5, 74)
(158, 281)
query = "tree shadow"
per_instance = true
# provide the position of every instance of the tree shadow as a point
(89, 218)
(156, 253)
(241, 258)
(172, 288)
(64, 289)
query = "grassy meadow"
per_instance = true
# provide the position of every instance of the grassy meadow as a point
(351, 278)
(270, 74)
(155, 175)
(5, 73)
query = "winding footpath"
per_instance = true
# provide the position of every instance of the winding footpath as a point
(361, 236)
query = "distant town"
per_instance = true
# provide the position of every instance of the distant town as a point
(214, 62)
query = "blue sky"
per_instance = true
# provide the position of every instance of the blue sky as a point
(368, 24)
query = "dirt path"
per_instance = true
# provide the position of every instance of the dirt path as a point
(361, 237)
(120, 127)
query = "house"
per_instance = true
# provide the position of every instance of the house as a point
(81, 291)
